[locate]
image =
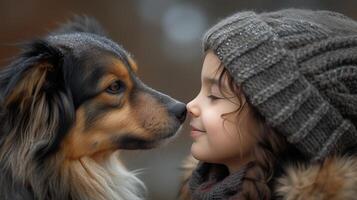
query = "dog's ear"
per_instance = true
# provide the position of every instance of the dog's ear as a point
(35, 97)
(81, 24)
(35, 70)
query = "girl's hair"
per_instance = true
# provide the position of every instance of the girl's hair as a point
(267, 152)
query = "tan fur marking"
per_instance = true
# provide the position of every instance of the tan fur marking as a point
(80, 143)
(105, 98)
(133, 65)
(99, 138)
(116, 71)
(28, 88)
(120, 70)
(107, 80)
(146, 118)
(142, 120)
(147, 108)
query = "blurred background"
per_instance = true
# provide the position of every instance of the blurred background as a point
(165, 38)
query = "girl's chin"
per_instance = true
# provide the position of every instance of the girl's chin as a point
(198, 152)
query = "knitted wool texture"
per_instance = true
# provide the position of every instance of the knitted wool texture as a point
(211, 181)
(299, 69)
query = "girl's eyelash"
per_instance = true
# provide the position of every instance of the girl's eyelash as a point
(212, 97)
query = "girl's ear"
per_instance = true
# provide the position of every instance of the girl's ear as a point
(35, 71)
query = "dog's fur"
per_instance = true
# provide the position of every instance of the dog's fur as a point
(69, 103)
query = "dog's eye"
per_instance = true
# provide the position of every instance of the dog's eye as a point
(116, 87)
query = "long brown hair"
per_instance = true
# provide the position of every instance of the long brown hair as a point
(266, 153)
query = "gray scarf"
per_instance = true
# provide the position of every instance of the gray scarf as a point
(213, 181)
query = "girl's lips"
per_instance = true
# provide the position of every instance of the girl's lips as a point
(196, 132)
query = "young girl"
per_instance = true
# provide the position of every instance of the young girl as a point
(277, 108)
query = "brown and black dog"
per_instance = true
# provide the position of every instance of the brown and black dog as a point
(69, 103)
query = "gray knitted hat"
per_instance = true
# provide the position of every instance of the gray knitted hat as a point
(299, 69)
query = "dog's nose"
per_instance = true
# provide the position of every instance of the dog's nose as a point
(179, 110)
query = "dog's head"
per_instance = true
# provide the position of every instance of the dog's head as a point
(77, 92)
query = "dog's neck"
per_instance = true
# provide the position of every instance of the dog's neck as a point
(104, 179)
(83, 179)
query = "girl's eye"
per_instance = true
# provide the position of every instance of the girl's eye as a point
(116, 87)
(212, 97)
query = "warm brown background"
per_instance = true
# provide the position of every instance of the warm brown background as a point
(164, 36)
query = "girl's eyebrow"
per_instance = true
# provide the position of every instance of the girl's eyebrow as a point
(210, 81)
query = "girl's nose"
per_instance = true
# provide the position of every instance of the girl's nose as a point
(193, 108)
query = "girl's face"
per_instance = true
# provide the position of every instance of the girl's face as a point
(227, 139)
